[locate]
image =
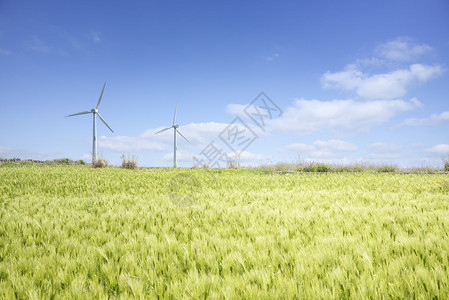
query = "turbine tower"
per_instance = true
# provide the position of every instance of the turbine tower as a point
(175, 131)
(94, 112)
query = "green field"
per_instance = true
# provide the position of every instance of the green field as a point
(77, 232)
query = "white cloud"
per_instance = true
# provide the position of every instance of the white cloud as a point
(380, 86)
(385, 85)
(432, 120)
(87, 157)
(322, 149)
(199, 134)
(5, 52)
(256, 116)
(385, 151)
(236, 109)
(402, 49)
(180, 156)
(20, 153)
(95, 36)
(271, 57)
(129, 144)
(310, 116)
(336, 145)
(442, 149)
(36, 44)
(433, 156)
(372, 61)
(299, 147)
(382, 147)
(247, 157)
(196, 133)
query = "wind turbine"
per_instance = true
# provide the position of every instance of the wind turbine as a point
(94, 112)
(175, 131)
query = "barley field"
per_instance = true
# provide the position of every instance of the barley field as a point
(77, 232)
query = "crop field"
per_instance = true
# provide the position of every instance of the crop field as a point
(77, 232)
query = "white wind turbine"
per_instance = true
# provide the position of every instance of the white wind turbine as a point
(175, 131)
(94, 112)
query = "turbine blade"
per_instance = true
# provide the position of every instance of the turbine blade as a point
(101, 95)
(174, 118)
(182, 135)
(105, 122)
(81, 113)
(163, 130)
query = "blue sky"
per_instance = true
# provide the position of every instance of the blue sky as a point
(354, 81)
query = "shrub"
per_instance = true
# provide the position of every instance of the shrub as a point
(316, 167)
(100, 163)
(282, 167)
(387, 169)
(322, 168)
(308, 168)
(129, 163)
(446, 162)
(63, 161)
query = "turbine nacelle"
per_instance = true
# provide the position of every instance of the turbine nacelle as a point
(94, 110)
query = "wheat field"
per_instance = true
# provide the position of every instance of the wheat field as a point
(78, 232)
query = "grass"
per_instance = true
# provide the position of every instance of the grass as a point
(318, 167)
(79, 232)
(5, 162)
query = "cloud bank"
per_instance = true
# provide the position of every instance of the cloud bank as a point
(312, 116)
